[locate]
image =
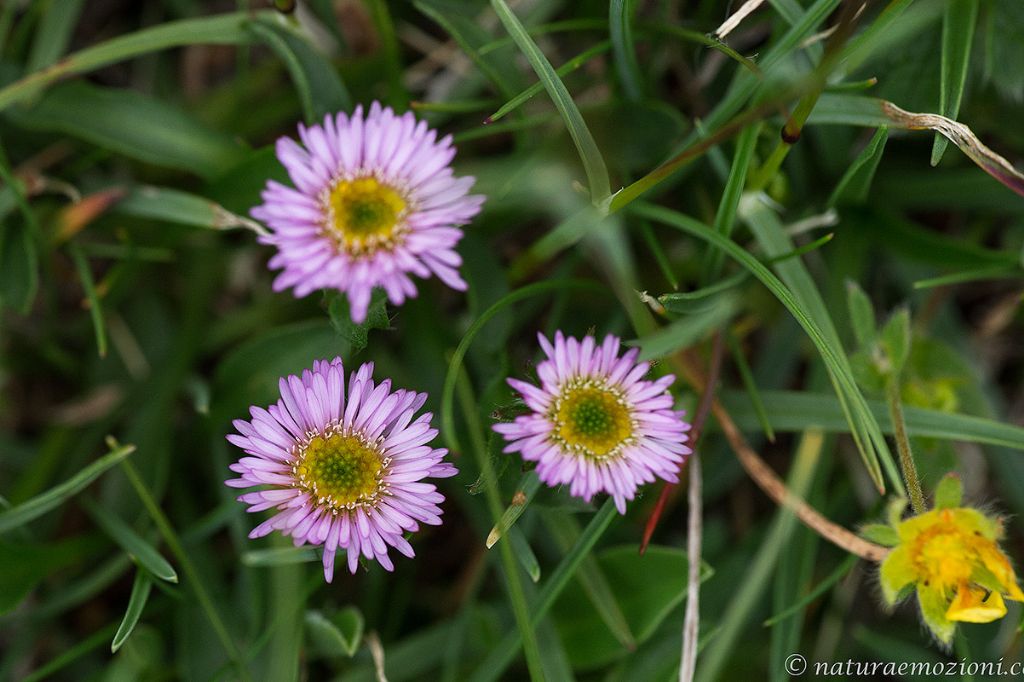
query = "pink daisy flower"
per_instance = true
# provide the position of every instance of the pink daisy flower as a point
(595, 423)
(341, 469)
(375, 201)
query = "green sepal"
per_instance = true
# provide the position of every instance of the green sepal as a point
(949, 493)
(895, 340)
(896, 574)
(933, 611)
(894, 511)
(881, 533)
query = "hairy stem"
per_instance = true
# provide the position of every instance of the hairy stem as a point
(892, 394)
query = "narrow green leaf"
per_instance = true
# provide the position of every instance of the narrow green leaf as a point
(524, 553)
(973, 275)
(863, 423)
(54, 32)
(320, 88)
(226, 29)
(72, 654)
(95, 308)
(121, 533)
(620, 24)
(340, 633)
(862, 314)
(750, 386)
(566, 532)
(854, 186)
(568, 67)
(687, 330)
(175, 206)
(527, 487)
(958, 23)
(134, 125)
(851, 110)
(501, 655)
(725, 217)
(791, 411)
(136, 603)
(19, 259)
(593, 164)
(820, 589)
(658, 251)
(279, 556)
(59, 494)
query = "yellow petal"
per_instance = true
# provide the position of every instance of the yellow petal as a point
(997, 563)
(976, 605)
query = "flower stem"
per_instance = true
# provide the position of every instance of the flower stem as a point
(175, 545)
(892, 394)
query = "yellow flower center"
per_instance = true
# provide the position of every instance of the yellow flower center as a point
(364, 215)
(341, 470)
(943, 556)
(592, 420)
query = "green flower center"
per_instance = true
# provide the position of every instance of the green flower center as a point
(592, 419)
(341, 470)
(364, 215)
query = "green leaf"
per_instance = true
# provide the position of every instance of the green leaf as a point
(183, 208)
(132, 124)
(895, 340)
(881, 533)
(54, 32)
(818, 590)
(320, 88)
(23, 566)
(568, 67)
(855, 185)
(647, 588)
(958, 25)
(19, 263)
(339, 634)
(620, 23)
(850, 110)
(121, 533)
(136, 603)
(524, 553)
(949, 493)
(527, 487)
(95, 307)
(689, 329)
(593, 164)
(357, 335)
(792, 411)
(226, 29)
(502, 654)
(725, 217)
(59, 494)
(862, 314)
(279, 556)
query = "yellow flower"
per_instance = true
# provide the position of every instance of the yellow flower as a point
(951, 557)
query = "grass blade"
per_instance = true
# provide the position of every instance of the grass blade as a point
(620, 23)
(175, 206)
(136, 603)
(819, 590)
(121, 533)
(278, 556)
(504, 652)
(566, 68)
(593, 163)
(958, 22)
(750, 386)
(54, 33)
(854, 186)
(792, 410)
(59, 494)
(226, 29)
(528, 486)
(831, 353)
(725, 217)
(95, 309)
(524, 554)
(320, 88)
